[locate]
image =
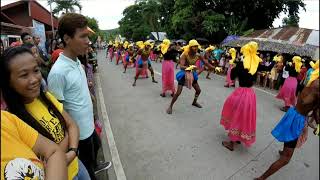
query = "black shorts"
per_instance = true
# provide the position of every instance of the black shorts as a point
(291, 144)
(183, 81)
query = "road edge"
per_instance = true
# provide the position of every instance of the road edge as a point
(117, 165)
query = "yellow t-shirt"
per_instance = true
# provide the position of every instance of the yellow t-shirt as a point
(46, 118)
(18, 161)
(51, 123)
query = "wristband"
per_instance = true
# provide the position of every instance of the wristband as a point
(74, 150)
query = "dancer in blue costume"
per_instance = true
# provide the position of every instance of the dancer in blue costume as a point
(188, 75)
(144, 61)
(291, 126)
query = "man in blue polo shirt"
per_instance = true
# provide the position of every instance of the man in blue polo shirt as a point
(67, 81)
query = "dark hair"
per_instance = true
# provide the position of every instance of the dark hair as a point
(307, 64)
(69, 23)
(14, 100)
(23, 35)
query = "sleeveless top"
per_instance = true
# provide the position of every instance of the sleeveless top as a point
(192, 61)
(145, 54)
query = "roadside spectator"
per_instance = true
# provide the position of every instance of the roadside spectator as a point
(68, 83)
(268, 65)
(43, 54)
(26, 98)
(275, 71)
(16, 43)
(261, 68)
(56, 53)
(26, 38)
(44, 66)
(52, 46)
(21, 146)
(222, 62)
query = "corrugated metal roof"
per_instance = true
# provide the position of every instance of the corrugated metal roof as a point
(291, 35)
(291, 40)
(313, 38)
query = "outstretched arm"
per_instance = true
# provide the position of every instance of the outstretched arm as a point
(137, 53)
(183, 62)
(206, 62)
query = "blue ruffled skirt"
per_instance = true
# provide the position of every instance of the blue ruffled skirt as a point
(290, 126)
(181, 75)
(140, 62)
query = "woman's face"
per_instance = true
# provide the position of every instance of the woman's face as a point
(25, 76)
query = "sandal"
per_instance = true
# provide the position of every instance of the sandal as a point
(226, 146)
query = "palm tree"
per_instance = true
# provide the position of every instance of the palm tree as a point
(65, 6)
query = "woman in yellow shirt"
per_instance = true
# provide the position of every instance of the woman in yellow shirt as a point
(20, 145)
(22, 91)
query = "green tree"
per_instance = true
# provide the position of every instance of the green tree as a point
(212, 19)
(151, 14)
(212, 22)
(93, 24)
(132, 25)
(293, 10)
(110, 34)
(65, 6)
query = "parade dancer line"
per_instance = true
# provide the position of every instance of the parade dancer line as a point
(239, 110)
(128, 57)
(291, 127)
(144, 61)
(187, 75)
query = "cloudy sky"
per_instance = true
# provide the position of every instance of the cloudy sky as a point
(109, 12)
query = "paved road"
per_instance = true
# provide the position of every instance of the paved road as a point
(153, 145)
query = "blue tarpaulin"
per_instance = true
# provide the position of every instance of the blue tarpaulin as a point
(230, 38)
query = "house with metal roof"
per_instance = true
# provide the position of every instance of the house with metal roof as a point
(289, 40)
(26, 16)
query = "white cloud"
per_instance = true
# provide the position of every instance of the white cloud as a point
(109, 12)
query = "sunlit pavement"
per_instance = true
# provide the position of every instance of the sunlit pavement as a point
(153, 145)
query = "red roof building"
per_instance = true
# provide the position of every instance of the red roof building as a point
(26, 16)
(23, 12)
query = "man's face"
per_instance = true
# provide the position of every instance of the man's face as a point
(80, 42)
(194, 48)
(36, 40)
(27, 39)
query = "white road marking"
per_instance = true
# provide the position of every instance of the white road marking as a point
(107, 128)
(259, 89)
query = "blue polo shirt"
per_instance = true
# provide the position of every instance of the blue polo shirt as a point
(68, 83)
